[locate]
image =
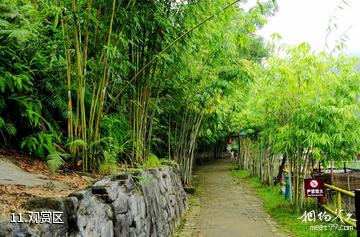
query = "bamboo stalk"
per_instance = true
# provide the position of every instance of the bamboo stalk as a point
(68, 76)
(168, 47)
(86, 126)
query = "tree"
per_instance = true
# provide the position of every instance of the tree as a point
(305, 108)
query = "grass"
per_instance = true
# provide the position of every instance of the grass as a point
(283, 213)
(353, 165)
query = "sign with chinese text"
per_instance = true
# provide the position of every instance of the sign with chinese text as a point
(314, 187)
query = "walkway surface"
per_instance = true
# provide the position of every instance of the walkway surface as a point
(222, 208)
(12, 174)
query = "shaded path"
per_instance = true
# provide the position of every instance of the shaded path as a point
(222, 208)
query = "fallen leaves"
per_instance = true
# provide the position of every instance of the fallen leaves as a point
(12, 196)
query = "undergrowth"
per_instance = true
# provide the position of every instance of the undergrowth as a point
(282, 212)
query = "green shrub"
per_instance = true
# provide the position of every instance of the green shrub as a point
(56, 159)
(40, 144)
(151, 162)
(109, 164)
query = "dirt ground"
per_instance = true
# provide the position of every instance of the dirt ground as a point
(23, 177)
(220, 207)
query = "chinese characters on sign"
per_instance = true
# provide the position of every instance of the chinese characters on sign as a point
(314, 187)
(38, 217)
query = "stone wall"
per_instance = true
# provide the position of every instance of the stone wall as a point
(142, 203)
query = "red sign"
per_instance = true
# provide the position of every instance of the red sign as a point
(314, 187)
(229, 140)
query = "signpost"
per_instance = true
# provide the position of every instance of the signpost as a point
(314, 187)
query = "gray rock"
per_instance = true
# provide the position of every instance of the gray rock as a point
(81, 194)
(120, 205)
(143, 203)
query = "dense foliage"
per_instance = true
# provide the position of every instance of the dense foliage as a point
(94, 84)
(304, 108)
(90, 81)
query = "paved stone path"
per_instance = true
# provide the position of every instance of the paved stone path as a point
(12, 174)
(222, 208)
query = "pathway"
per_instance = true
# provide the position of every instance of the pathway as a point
(12, 174)
(222, 208)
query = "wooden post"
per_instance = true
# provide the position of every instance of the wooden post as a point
(322, 200)
(332, 172)
(239, 156)
(357, 211)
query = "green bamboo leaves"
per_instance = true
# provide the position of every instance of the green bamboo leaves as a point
(304, 108)
(212, 73)
(84, 121)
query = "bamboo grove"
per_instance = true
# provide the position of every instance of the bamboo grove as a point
(303, 110)
(103, 85)
(88, 84)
